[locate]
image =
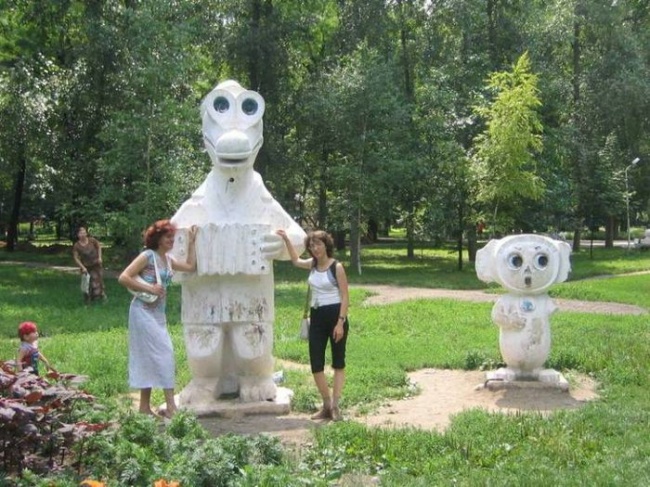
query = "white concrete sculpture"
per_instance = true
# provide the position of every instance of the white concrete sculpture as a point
(228, 303)
(526, 265)
(644, 243)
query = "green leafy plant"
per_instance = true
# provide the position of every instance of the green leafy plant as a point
(41, 421)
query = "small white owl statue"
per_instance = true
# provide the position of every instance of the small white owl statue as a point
(526, 265)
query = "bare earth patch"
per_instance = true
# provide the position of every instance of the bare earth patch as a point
(443, 394)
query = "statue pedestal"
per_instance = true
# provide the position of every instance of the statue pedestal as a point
(234, 407)
(506, 378)
(228, 408)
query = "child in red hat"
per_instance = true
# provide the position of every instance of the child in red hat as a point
(28, 353)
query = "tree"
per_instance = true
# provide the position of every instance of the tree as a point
(505, 152)
(150, 162)
(368, 128)
(369, 110)
(24, 110)
(28, 80)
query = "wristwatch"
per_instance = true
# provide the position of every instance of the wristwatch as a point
(342, 318)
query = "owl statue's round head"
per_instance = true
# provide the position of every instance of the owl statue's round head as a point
(232, 126)
(524, 264)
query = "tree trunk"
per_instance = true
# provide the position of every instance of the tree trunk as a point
(609, 232)
(373, 230)
(322, 193)
(355, 243)
(409, 84)
(460, 236)
(385, 230)
(577, 235)
(14, 219)
(59, 230)
(255, 49)
(575, 82)
(339, 240)
(410, 237)
(472, 243)
(491, 12)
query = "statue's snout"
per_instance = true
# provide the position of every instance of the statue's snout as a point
(234, 145)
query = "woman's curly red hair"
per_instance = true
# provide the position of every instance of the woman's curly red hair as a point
(155, 232)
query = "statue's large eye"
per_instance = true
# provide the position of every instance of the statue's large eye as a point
(221, 104)
(541, 261)
(515, 261)
(249, 106)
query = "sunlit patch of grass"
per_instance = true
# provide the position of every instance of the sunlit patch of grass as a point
(633, 289)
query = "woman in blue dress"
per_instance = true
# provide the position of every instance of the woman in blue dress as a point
(151, 354)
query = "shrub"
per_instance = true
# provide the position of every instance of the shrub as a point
(40, 421)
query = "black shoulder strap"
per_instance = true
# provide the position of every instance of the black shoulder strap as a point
(332, 271)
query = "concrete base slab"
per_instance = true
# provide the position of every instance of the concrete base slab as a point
(233, 408)
(505, 379)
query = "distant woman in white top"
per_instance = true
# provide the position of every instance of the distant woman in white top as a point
(151, 355)
(328, 315)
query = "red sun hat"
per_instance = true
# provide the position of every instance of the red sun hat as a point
(26, 328)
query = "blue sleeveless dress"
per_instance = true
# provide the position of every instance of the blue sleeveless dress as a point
(151, 354)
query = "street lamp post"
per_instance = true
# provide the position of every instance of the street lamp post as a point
(627, 200)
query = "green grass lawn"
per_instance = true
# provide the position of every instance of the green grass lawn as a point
(604, 443)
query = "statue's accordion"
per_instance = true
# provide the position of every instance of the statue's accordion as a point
(227, 249)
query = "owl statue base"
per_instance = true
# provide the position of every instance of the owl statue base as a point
(505, 378)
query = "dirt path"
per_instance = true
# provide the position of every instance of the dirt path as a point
(390, 294)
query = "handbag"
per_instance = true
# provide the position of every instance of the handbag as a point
(85, 283)
(304, 322)
(142, 295)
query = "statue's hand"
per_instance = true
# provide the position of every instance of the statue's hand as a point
(508, 318)
(191, 234)
(272, 246)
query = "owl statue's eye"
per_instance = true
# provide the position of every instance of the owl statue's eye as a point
(249, 106)
(221, 104)
(541, 261)
(515, 261)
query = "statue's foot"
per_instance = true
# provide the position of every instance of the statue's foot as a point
(503, 374)
(550, 376)
(198, 392)
(255, 389)
(502, 377)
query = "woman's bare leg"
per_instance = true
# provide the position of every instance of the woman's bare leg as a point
(145, 401)
(339, 382)
(169, 401)
(323, 389)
